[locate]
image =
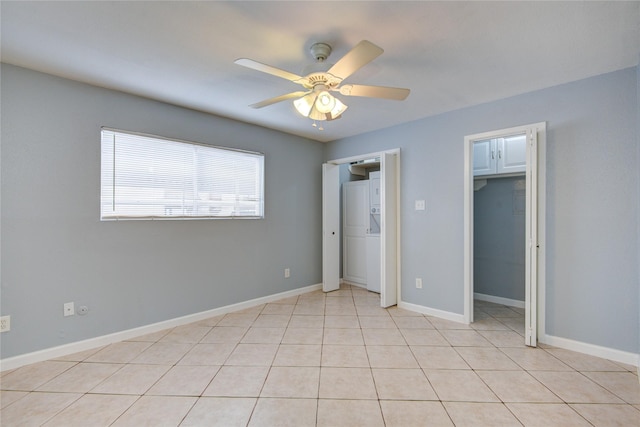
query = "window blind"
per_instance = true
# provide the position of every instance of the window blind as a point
(145, 177)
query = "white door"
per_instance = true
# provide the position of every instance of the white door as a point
(388, 230)
(531, 249)
(355, 225)
(330, 227)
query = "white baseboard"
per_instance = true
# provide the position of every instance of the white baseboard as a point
(88, 344)
(357, 285)
(447, 315)
(348, 282)
(628, 358)
(592, 349)
(499, 300)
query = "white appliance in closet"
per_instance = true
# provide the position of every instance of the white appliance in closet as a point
(361, 231)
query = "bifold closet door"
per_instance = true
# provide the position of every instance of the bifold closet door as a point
(330, 227)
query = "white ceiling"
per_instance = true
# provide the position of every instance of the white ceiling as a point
(450, 54)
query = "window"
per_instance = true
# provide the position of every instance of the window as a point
(147, 177)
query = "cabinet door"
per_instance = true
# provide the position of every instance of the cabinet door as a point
(512, 154)
(484, 157)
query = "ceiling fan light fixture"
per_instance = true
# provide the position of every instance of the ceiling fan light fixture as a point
(337, 109)
(325, 102)
(317, 115)
(305, 104)
(320, 107)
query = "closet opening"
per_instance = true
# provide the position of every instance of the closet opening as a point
(504, 229)
(499, 252)
(360, 210)
(360, 228)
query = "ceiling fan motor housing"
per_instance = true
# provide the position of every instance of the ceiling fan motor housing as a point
(316, 73)
(320, 51)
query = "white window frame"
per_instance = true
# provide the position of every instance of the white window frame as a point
(202, 193)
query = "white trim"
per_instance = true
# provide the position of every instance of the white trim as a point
(350, 159)
(620, 356)
(357, 285)
(447, 315)
(541, 301)
(88, 344)
(499, 300)
(591, 349)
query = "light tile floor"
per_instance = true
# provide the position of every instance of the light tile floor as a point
(334, 359)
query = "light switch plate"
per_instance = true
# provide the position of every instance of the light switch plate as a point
(420, 205)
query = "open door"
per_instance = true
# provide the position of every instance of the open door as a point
(330, 227)
(535, 200)
(388, 230)
(531, 249)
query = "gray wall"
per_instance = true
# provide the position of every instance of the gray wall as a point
(592, 278)
(134, 273)
(498, 238)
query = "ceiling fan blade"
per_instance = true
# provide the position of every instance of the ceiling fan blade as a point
(258, 66)
(395, 93)
(363, 53)
(277, 99)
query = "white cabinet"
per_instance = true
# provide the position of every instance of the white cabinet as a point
(500, 156)
(484, 157)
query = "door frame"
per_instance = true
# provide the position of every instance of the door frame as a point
(536, 193)
(327, 255)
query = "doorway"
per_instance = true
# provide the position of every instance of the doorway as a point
(534, 209)
(389, 224)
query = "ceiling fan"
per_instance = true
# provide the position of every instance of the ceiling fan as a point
(316, 101)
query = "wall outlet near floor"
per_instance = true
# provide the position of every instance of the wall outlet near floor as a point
(287, 273)
(5, 323)
(418, 283)
(69, 309)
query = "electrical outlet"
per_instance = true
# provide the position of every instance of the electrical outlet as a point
(69, 309)
(5, 323)
(418, 283)
(287, 273)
